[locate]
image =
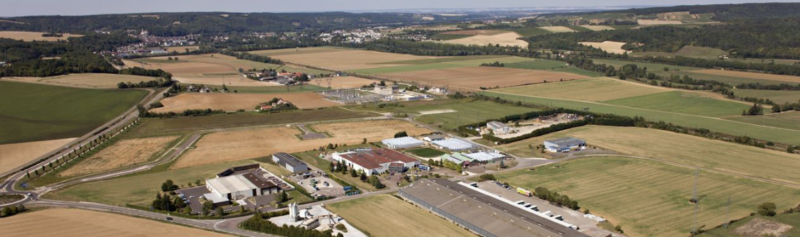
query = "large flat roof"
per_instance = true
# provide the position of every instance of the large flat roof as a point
(289, 159)
(373, 159)
(402, 141)
(231, 184)
(453, 144)
(566, 141)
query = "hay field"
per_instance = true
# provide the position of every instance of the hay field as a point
(121, 154)
(83, 80)
(84, 223)
(472, 78)
(287, 51)
(557, 29)
(440, 63)
(503, 39)
(685, 102)
(474, 32)
(236, 101)
(779, 97)
(598, 27)
(371, 214)
(650, 198)
(182, 49)
(592, 89)
(751, 75)
(342, 82)
(681, 149)
(345, 59)
(205, 69)
(657, 22)
(253, 143)
(31, 36)
(608, 46)
(17, 154)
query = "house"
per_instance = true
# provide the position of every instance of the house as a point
(374, 161)
(565, 144)
(453, 144)
(434, 137)
(402, 143)
(290, 162)
(499, 128)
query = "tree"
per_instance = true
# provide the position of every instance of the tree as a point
(776, 108)
(618, 228)
(400, 134)
(767, 209)
(364, 141)
(363, 177)
(219, 212)
(353, 173)
(168, 186)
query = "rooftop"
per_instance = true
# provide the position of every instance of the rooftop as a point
(289, 159)
(231, 184)
(372, 159)
(453, 144)
(401, 141)
(496, 125)
(485, 156)
(566, 141)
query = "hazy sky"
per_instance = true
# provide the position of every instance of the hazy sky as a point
(88, 7)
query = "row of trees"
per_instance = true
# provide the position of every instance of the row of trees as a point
(251, 57)
(259, 223)
(161, 82)
(12, 210)
(555, 197)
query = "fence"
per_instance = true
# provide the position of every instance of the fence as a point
(445, 214)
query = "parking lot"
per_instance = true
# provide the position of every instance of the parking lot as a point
(317, 183)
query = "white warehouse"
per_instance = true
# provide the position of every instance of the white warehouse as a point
(402, 143)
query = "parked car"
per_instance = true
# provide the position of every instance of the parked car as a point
(169, 218)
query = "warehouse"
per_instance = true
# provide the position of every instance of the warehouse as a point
(565, 144)
(457, 157)
(498, 128)
(242, 182)
(453, 144)
(486, 156)
(402, 143)
(374, 161)
(290, 162)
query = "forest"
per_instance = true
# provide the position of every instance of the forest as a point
(722, 12)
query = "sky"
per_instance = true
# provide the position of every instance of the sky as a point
(90, 7)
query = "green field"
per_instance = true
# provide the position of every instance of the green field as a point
(779, 97)
(552, 65)
(651, 67)
(429, 64)
(594, 89)
(33, 112)
(649, 198)
(685, 103)
(384, 215)
(714, 124)
(789, 120)
(466, 111)
(791, 219)
(528, 32)
(688, 51)
(426, 152)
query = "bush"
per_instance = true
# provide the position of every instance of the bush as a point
(341, 227)
(767, 209)
(485, 177)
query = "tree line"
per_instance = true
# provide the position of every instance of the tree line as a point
(259, 223)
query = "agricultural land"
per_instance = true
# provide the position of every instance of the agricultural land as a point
(17, 154)
(33, 36)
(237, 101)
(85, 80)
(123, 153)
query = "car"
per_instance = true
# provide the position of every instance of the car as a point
(169, 218)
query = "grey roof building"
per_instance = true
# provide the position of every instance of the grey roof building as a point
(290, 162)
(563, 144)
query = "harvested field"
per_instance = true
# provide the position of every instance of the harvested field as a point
(253, 143)
(608, 46)
(593, 89)
(121, 154)
(503, 39)
(31, 36)
(752, 75)
(475, 32)
(236, 101)
(657, 22)
(346, 59)
(557, 29)
(85, 80)
(758, 227)
(472, 78)
(342, 82)
(84, 223)
(598, 27)
(17, 154)
(182, 49)
(370, 214)
(276, 52)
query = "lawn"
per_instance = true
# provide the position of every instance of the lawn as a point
(33, 112)
(649, 198)
(685, 103)
(790, 120)
(687, 120)
(385, 215)
(593, 89)
(681, 149)
(779, 97)
(426, 152)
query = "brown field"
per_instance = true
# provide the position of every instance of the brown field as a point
(342, 82)
(657, 22)
(608, 46)
(253, 143)
(31, 36)
(204, 69)
(754, 75)
(472, 78)
(123, 153)
(345, 59)
(182, 49)
(84, 223)
(503, 39)
(17, 154)
(236, 101)
(557, 29)
(85, 80)
(475, 32)
(597, 28)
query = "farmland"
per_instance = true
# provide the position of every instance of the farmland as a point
(472, 78)
(593, 89)
(123, 153)
(684, 102)
(598, 27)
(779, 97)
(87, 80)
(342, 82)
(440, 63)
(463, 111)
(649, 198)
(83, 223)
(370, 215)
(252, 143)
(33, 112)
(608, 46)
(557, 29)
(31, 36)
(752, 75)
(760, 226)
(236, 101)
(503, 39)
(789, 120)
(657, 22)
(341, 59)
(17, 154)
(693, 151)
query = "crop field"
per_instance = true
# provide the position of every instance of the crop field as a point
(17, 154)
(236, 101)
(731, 80)
(557, 29)
(608, 46)
(687, 120)
(370, 215)
(472, 78)
(503, 39)
(649, 198)
(31, 36)
(657, 22)
(84, 223)
(681, 149)
(290, 51)
(475, 32)
(182, 49)
(85, 80)
(440, 63)
(752, 75)
(465, 111)
(342, 82)
(593, 89)
(685, 103)
(700, 52)
(539, 64)
(779, 97)
(121, 154)
(34, 112)
(598, 27)
(252, 143)
(344, 59)
(272, 89)
(789, 120)
(533, 31)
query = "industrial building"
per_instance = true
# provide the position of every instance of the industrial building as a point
(457, 157)
(290, 162)
(375, 161)
(434, 137)
(402, 143)
(242, 182)
(499, 128)
(486, 156)
(453, 144)
(565, 144)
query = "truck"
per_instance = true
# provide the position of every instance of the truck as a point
(524, 192)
